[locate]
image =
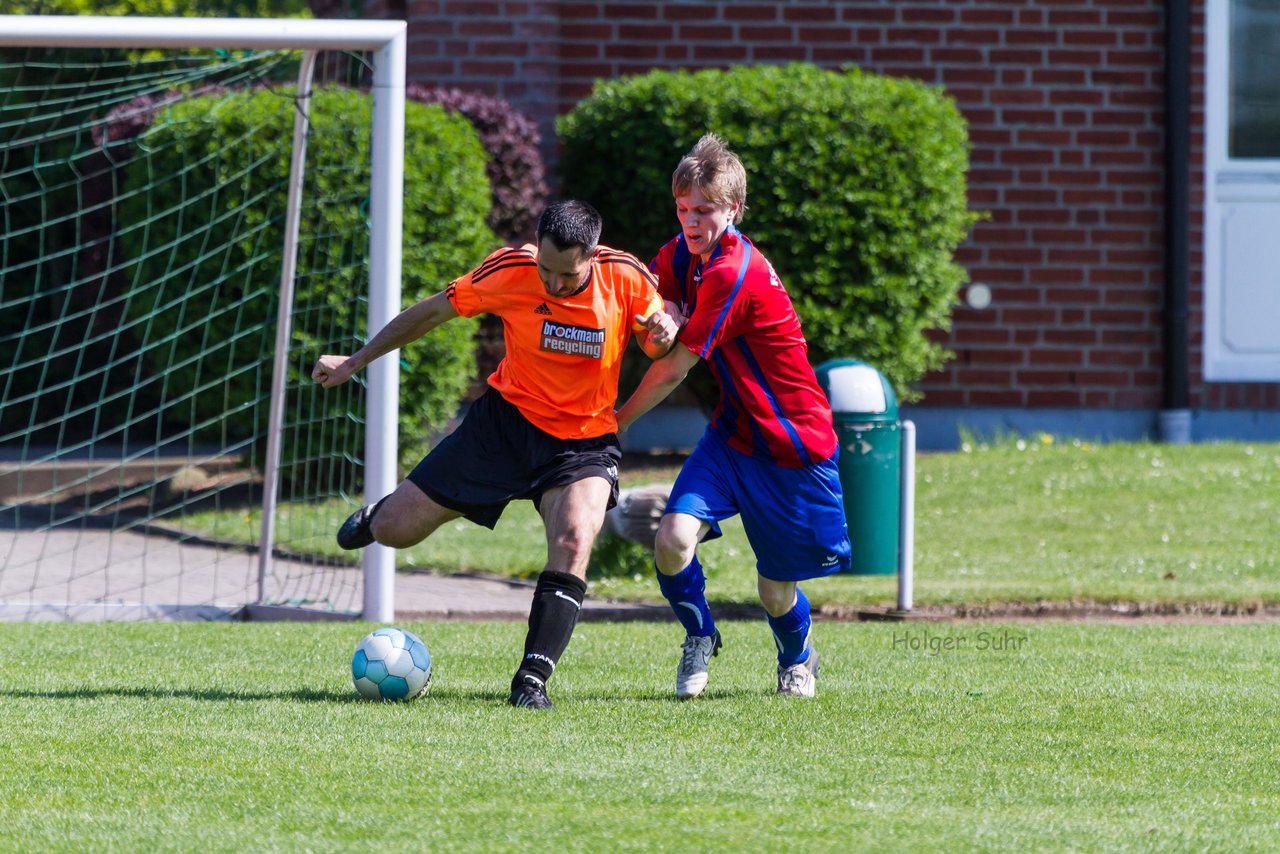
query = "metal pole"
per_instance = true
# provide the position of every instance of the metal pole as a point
(284, 321)
(383, 376)
(260, 33)
(907, 519)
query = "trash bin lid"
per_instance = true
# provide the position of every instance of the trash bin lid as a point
(856, 388)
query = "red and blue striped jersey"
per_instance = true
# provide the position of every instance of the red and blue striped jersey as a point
(741, 321)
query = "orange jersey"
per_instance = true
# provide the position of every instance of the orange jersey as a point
(563, 354)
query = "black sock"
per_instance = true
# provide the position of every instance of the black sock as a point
(556, 601)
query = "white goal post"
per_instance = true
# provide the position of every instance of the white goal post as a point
(386, 43)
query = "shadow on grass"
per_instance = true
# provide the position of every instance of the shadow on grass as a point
(206, 694)
(434, 694)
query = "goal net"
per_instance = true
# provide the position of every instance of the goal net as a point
(193, 209)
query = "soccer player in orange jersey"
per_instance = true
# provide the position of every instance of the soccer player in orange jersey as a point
(545, 429)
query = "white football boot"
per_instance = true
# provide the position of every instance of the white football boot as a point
(695, 655)
(798, 679)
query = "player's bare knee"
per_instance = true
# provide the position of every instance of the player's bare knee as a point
(777, 597)
(671, 550)
(573, 545)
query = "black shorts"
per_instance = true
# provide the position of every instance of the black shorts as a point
(496, 456)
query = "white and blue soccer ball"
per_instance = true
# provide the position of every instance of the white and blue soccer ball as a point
(391, 664)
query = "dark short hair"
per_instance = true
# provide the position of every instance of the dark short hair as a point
(570, 224)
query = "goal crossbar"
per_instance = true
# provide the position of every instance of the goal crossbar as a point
(386, 43)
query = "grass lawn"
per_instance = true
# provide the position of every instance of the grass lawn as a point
(1015, 521)
(1016, 737)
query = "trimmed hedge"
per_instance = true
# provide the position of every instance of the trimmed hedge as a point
(210, 322)
(856, 192)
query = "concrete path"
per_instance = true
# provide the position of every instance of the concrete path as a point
(99, 574)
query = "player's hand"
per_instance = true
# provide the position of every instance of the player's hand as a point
(673, 309)
(662, 327)
(332, 371)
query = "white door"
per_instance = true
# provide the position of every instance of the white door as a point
(1242, 191)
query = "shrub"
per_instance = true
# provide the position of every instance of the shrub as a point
(856, 192)
(515, 169)
(209, 323)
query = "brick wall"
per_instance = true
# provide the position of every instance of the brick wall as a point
(1064, 103)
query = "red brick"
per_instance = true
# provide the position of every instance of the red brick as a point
(1061, 216)
(487, 69)
(615, 11)
(979, 335)
(1073, 296)
(720, 52)
(867, 14)
(1090, 58)
(646, 32)
(972, 377)
(808, 13)
(1080, 337)
(485, 28)
(896, 53)
(624, 50)
(779, 53)
(994, 356)
(826, 35)
(926, 15)
(1130, 358)
(1059, 76)
(705, 32)
(1021, 38)
(1117, 379)
(473, 8)
(765, 34)
(996, 398)
(944, 397)
(586, 69)
(1053, 398)
(699, 11)
(986, 16)
(1149, 58)
(598, 32)
(744, 11)
(1076, 96)
(1068, 18)
(583, 50)
(1045, 378)
(500, 48)
(919, 35)
(963, 35)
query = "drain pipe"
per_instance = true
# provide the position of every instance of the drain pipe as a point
(1174, 419)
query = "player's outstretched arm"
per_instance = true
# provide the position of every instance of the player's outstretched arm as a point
(659, 381)
(406, 327)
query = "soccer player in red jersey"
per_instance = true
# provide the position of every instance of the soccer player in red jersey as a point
(545, 428)
(769, 452)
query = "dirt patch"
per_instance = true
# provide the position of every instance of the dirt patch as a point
(1097, 611)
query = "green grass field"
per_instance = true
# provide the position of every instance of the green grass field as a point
(1048, 521)
(1023, 736)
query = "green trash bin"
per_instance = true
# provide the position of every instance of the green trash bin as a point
(866, 421)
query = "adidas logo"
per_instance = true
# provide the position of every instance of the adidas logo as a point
(542, 309)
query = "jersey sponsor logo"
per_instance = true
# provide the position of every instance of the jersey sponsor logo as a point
(573, 340)
(542, 309)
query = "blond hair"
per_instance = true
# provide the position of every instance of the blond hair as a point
(715, 171)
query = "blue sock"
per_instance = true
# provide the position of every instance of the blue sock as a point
(687, 593)
(791, 632)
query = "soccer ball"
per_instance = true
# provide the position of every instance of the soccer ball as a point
(391, 664)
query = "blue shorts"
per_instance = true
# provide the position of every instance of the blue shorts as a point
(794, 518)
